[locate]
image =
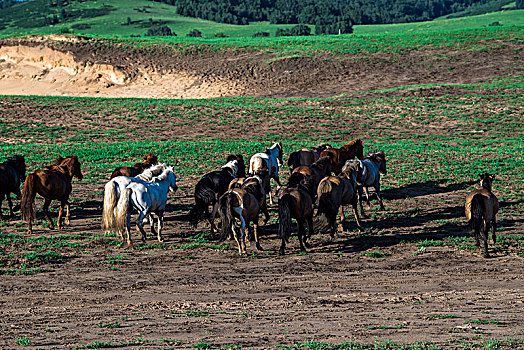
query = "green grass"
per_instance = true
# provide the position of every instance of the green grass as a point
(26, 19)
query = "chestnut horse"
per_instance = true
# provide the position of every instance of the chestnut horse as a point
(305, 156)
(51, 183)
(12, 173)
(333, 193)
(132, 171)
(339, 156)
(481, 210)
(296, 202)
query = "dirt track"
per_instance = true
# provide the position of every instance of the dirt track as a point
(339, 291)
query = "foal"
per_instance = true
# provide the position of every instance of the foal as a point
(481, 210)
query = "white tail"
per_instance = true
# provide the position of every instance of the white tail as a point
(110, 202)
(256, 164)
(122, 211)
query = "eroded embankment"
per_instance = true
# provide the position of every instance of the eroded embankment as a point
(77, 66)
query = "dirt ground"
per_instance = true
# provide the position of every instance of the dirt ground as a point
(339, 291)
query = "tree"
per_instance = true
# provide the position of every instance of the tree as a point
(195, 33)
(160, 31)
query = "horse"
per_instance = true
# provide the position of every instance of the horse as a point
(296, 202)
(114, 187)
(147, 198)
(272, 159)
(305, 156)
(481, 209)
(51, 183)
(207, 191)
(256, 184)
(369, 171)
(339, 156)
(136, 169)
(242, 204)
(333, 193)
(12, 173)
(316, 172)
(241, 172)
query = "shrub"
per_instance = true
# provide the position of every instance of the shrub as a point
(195, 33)
(261, 35)
(160, 31)
(220, 35)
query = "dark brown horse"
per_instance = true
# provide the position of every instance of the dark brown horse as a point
(316, 172)
(333, 193)
(481, 210)
(138, 168)
(339, 156)
(51, 183)
(252, 184)
(12, 173)
(295, 202)
(305, 156)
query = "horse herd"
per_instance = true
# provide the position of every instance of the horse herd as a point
(233, 194)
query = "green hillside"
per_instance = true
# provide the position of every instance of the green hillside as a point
(117, 18)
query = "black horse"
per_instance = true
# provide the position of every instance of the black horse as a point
(209, 188)
(241, 172)
(12, 173)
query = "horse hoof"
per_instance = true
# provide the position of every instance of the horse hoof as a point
(307, 245)
(259, 247)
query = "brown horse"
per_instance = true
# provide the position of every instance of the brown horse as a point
(333, 193)
(339, 156)
(138, 168)
(316, 172)
(305, 156)
(243, 205)
(51, 183)
(12, 173)
(295, 202)
(252, 184)
(481, 210)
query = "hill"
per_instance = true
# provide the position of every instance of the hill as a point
(118, 19)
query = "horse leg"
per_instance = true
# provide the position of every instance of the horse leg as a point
(301, 234)
(309, 230)
(152, 225)
(494, 227)
(342, 219)
(128, 230)
(212, 219)
(243, 235)
(160, 225)
(282, 249)
(11, 213)
(61, 214)
(140, 226)
(255, 230)
(367, 196)
(235, 234)
(359, 190)
(263, 207)
(377, 189)
(68, 214)
(47, 202)
(1, 199)
(476, 233)
(485, 233)
(355, 212)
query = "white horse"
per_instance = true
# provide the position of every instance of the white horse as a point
(146, 197)
(368, 175)
(114, 188)
(270, 159)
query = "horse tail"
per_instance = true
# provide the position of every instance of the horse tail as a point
(204, 196)
(256, 164)
(327, 209)
(122, 210)
(28, 198)
(225, 203)
(110, 202)
(292, 161)
(478, 212)
(284, 217)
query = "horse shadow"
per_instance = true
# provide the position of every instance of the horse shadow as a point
(424, 189)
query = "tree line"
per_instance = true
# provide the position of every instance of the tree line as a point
(328, 16)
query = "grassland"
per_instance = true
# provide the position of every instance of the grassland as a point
(142, 12)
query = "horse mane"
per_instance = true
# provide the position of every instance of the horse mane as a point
(380, 155)
(352, 143)
(350, 167)
(149, 173)
(164, 174)
(56, 162)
